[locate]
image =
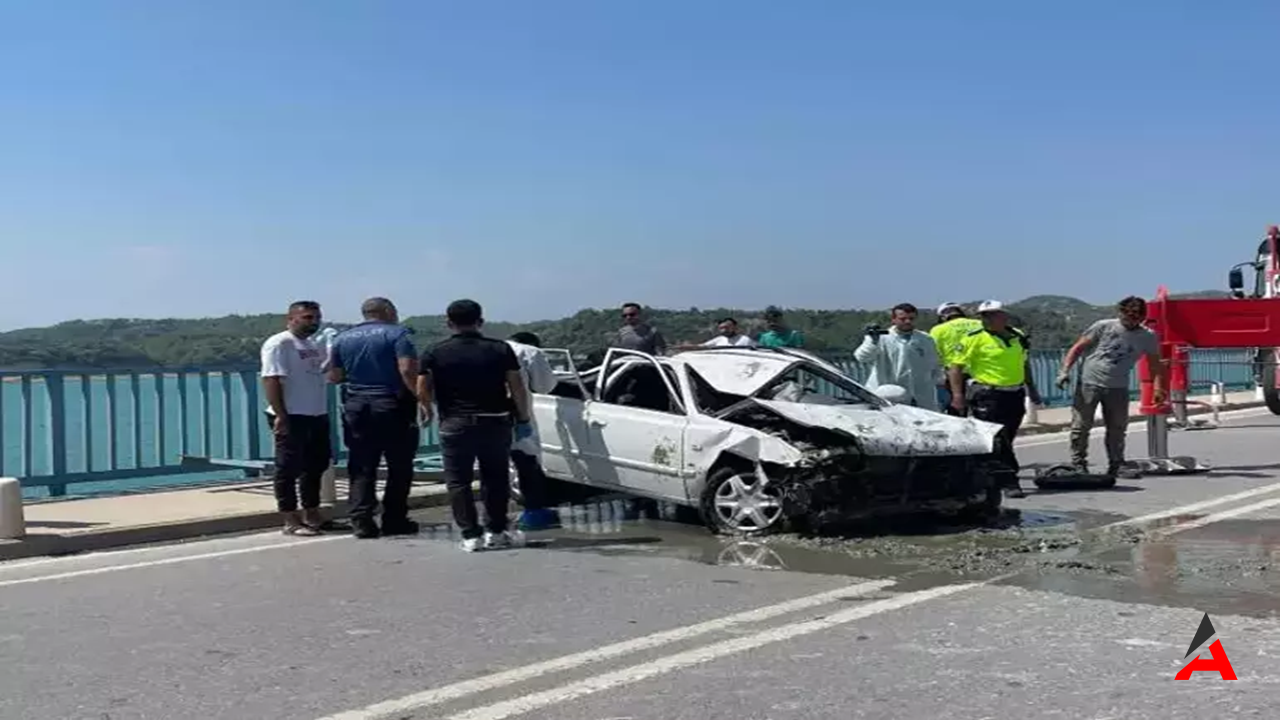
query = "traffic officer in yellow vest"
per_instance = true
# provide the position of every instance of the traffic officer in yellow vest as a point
(996, 359)
(947, 334)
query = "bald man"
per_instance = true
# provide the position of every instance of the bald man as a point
(378, 367)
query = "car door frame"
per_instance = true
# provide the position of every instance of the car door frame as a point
(649, 468)
(565, 420)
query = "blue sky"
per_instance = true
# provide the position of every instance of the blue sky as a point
(166, 157)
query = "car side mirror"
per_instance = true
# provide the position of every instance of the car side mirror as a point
(1235, 279)
(892, 393)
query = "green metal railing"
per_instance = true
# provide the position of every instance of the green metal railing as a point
(130, 431)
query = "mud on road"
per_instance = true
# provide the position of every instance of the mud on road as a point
(1229, 567)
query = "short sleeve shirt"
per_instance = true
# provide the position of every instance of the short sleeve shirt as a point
(949, 336)
(736, 341)
(1113, 351)
(992, 360)
(469, 374)
(369, 355)
(785, 338)
(642, 338)
(299, 363)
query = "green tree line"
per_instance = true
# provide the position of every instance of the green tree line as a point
(234, 340)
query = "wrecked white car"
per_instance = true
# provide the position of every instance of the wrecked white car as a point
(757, 439)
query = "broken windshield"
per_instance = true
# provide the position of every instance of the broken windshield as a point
(814, 385)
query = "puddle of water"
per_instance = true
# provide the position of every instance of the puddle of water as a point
(1231, 567)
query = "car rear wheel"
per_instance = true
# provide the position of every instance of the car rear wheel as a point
(558, 492)
(736, 502)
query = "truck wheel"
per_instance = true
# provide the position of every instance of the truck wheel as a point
(734, 502)
(1267, 378)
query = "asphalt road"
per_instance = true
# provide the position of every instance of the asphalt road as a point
(1081, 607)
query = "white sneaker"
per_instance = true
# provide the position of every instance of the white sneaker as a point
(471, 544)
(498, 541)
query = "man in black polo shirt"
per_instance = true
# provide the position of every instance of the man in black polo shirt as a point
(474, 381)
(378, 367)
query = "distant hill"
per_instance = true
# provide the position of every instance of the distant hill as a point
(233, 340)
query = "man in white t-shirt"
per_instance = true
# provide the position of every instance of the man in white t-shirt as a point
(293, 379)
(729, 336)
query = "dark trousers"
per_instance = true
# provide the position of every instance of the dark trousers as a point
(378, 427)
(1005, 408)
(533, 482)
(303, 453)
(464, 441)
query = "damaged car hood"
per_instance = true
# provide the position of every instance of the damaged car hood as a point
(895, 430)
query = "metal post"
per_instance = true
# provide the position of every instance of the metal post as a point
(328, 488)
(1158, 437)
(13, 524)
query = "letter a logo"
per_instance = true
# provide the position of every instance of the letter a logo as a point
(1216, 662)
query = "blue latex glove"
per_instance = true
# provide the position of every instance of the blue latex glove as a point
(524, 430)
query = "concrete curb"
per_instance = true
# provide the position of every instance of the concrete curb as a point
(1047, 428)
(91, 541)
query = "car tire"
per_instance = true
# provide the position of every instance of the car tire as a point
(727, 485)
(987, 511)
(559, 492)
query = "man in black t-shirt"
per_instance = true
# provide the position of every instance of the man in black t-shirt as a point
(474, 381)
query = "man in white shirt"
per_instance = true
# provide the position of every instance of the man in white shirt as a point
(902, 356)
(293, 380)
(526, 453)
(729, 336)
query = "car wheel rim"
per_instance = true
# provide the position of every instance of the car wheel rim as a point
(744, 503)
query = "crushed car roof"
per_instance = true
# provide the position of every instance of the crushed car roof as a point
(738, 371)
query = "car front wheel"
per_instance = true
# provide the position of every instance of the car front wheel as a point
(736, 502)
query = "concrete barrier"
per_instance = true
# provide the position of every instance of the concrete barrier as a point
(13, 524)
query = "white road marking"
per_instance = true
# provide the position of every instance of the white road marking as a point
(498, 711)
(273, 535)
(696, 656)
(5, 567)
(1195, 507)
(486, 683)
(1219, 517)
(1060, 436)
(169, 561)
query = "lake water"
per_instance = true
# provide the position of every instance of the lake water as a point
(105, 431)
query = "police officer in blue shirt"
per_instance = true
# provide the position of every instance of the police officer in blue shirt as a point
(378, 367)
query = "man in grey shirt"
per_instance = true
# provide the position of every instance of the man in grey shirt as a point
(1110, 348)
(635, 334)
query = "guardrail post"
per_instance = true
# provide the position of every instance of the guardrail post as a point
(253, 413)
(56, 392)
(13, 524)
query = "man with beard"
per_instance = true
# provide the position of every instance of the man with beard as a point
(298, 410)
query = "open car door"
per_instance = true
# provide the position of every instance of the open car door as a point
(636, 425)
(560, 419)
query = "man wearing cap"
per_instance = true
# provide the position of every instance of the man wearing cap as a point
(778, 334)
(996, 357)
(952, 326)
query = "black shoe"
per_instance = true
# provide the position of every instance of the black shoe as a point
(1014, 491)
(365, 530)
(399, 527)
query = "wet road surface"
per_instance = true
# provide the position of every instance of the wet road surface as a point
(1078, 605)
